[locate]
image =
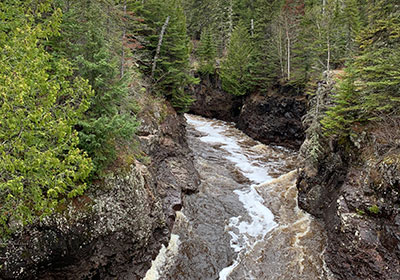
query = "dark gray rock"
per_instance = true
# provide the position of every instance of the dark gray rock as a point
(213, 102)
(273, 118)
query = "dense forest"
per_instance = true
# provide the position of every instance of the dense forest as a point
(71, 70)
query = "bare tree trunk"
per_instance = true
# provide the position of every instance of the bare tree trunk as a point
(288, 55)
(288, 42)
(230, 20)
(328, 62)
(323, 6)
(280, 50)
(123, 40)
(252, 27)
(164, 27)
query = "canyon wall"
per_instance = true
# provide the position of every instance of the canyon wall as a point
(353, 187)
(118, 226)
(271, 118)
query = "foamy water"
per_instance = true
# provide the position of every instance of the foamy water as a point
(162, 258)
(244, 221)
(245, 234)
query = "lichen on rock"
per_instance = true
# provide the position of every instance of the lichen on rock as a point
(117, 228)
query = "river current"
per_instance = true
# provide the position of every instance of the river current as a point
(244, 223)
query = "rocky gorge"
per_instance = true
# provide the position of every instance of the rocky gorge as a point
(352, 188)
(119, 226)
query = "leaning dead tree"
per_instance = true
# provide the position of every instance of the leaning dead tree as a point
(164, 27)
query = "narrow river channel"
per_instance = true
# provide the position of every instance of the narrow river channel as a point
(244, 223)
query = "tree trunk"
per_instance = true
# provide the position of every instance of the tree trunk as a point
(123, 41)
(288, 42)
(230, 20)
(328, 62)
(280, 50)
(164, 27)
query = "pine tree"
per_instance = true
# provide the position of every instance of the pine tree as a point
(235, 69)
(40, 103)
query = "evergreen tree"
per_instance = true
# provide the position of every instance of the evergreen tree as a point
(200, 16)
(265, 61)
(40, 103)
(371, 87)
(207, 53)
(171, 74)
(351, 18)
(235, 69)
(88, 38)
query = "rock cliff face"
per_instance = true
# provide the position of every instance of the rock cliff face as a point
(118, 227)
(273, 118)
(354, 188)
(213, 102)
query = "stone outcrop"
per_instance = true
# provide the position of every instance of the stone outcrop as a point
(213, 102)
(273, 118)
(117, 228)
(353, 187)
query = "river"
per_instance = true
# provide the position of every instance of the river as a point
(244, 223)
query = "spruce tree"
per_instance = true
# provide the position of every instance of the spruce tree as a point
(265, 65)
(235, 69)
(171, 75)
(89, 38)
(207, 52)
(199, 16)
(370, 89)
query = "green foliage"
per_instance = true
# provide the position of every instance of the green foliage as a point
(199, 16)
(172, 72)
(89, 37)
(235, 69)
(370, 89)
(344, 114)
(40, 162)
(374, 209)
(207, 52)
(264, 63)
(360, 212)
